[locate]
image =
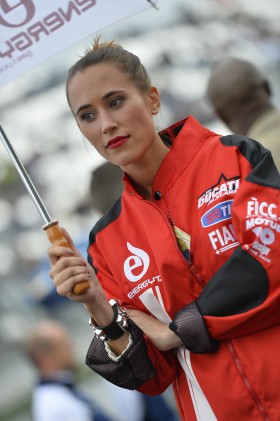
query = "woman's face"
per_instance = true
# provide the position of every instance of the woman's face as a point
(113, 114)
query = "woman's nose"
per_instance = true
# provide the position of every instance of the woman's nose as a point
(108, 123)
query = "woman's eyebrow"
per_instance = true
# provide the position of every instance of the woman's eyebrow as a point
(106, 96)
(81, 108)
(111, 93)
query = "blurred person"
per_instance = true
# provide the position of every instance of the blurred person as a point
(56, 396)
(183, 284)
(242, 98)
(105, 186)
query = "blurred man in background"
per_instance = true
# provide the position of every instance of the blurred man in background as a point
(241, 97)
(56, 396)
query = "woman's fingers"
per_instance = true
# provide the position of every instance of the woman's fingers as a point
(65, 262)
(56, 252)
(65, 288)
(68, 238)
(68, 267)
(67, 271)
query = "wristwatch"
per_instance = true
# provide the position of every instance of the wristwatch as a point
(116, 328)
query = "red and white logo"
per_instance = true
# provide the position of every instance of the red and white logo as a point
(136, 266)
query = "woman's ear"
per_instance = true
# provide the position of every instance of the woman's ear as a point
(155, 100)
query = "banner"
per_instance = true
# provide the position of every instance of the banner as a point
(33, 30)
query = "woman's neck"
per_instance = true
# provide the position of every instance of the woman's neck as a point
(142, 174)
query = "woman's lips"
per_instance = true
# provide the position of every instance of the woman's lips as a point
(116, 142)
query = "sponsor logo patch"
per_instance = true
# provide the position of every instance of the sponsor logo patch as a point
(220, 212)
(225, 186)
(223, 239)
(136, 266)
(262, 221)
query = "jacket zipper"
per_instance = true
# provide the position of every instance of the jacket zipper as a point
(247, 383)
(232, 351)
(190, 266)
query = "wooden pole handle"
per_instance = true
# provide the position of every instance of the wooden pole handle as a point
(56, 237)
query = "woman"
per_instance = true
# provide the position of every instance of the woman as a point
(191, 251)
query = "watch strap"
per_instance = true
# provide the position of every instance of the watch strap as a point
(116, 328)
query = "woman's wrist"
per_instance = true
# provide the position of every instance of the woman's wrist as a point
(116, 328)
(101, 312)
(110, 326)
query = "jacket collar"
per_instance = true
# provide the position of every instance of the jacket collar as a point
(169, 134)
(185, 138)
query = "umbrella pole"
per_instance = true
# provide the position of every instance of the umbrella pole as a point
(51, 227)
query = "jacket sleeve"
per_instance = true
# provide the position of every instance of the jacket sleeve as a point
(141, 366)
(243, 296)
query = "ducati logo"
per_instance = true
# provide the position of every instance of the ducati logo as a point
(136, 266)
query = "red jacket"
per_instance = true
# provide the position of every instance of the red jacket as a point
(223, 192)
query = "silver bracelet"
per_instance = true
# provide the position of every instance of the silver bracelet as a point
(116, 328)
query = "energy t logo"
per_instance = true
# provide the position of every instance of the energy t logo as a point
(136, 266)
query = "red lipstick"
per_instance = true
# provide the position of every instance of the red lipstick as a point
(116, 142)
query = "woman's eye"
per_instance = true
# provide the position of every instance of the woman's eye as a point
(116, 102)
(88, 117)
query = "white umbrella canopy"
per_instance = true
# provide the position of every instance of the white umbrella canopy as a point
(34, 31)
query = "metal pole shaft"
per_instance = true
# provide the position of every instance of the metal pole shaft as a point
(25, 178)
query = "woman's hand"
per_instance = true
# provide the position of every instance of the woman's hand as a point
(158, 333)
(68, 268)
